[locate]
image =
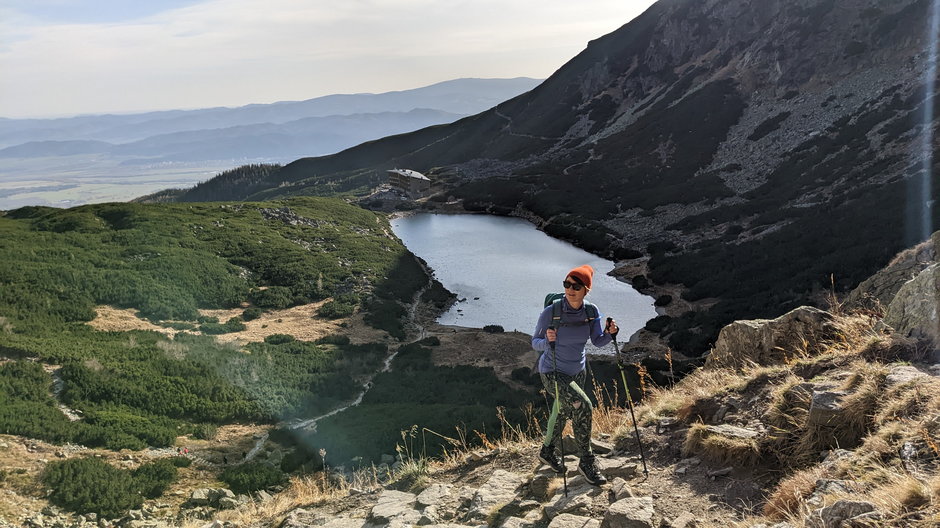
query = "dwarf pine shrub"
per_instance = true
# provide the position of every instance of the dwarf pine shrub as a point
(246, 478)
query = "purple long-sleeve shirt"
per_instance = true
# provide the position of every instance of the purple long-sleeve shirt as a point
(569, 340)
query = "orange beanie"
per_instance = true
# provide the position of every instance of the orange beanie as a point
(584, 274)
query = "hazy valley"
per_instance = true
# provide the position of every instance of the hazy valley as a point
(90, 159)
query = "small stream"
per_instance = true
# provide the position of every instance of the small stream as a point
(311, 422)
(366, 385)
(365, 388)
(58, 384)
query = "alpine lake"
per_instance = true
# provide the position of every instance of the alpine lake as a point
(501, 268)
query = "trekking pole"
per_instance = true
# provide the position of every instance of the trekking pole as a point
(556, 410)
(626, 388)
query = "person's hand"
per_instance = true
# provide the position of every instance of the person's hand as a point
(612, 327)
(550, 335)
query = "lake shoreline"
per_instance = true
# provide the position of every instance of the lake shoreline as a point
(640, 345)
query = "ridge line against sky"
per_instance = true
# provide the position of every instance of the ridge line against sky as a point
(72, 57)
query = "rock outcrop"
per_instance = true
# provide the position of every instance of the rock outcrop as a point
(914, 310)
(771, 341)
(877, 291)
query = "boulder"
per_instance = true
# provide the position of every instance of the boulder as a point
(541, 485)
(616, 467)
(263, 496)
(825, 408)
(686, 520)
(578, 501)
(683, 466)
(904, 374)
(829, 487)
(200, 497)
(394, 505)
(566, 520)
(835, 515)
(433, 495)
(227, 503)
(515, 522)
(429, 516)
(218, 494)
(634, 512)
(731, 431)
(770, 341)
(297, 518)
(865, 520)
(340, 522)
(880, 289)
(601, 447)
(145, 524)
(499, 490)
(914, 310)
(619, 489)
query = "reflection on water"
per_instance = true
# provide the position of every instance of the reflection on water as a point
(501, 268)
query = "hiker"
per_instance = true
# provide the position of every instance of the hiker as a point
(568, 323)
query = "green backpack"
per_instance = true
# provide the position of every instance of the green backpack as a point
(554, 299)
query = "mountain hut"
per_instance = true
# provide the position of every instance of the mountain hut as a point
(411, 182)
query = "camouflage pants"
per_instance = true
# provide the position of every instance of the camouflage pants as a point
(575, 405)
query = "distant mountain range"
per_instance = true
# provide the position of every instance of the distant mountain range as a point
(279, 131)
(758, 153)
(265, 141)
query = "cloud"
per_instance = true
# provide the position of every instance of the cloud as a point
(229, 52)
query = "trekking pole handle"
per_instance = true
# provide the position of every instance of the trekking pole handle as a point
(613, 337)
(607, 329)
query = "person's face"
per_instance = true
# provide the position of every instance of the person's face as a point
(574, 291)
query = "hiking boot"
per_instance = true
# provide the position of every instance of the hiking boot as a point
(587, 467)
(547, 456)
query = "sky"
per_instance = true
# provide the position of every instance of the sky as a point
(71, 57)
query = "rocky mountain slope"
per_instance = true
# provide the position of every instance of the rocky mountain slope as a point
(754, 152)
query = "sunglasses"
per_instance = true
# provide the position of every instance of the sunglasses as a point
(572, 285)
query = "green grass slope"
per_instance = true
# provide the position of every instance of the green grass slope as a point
(143, 388)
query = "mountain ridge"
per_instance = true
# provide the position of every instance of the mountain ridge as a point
(129, 127)
(700, 134)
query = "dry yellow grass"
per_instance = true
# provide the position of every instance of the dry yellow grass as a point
(712, 447)
(111, 319)
(786, 501)
(607, 418)
(685, 400)
(301, 322)
(301, 491)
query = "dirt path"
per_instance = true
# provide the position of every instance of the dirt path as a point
(57, 385)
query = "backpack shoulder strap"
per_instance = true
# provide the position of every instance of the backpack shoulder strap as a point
(590, 311)
(556, 313)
